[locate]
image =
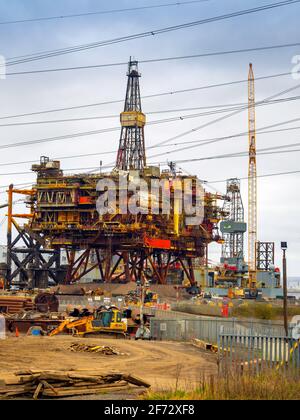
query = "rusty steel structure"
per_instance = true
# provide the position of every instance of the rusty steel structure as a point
(28, 259)
(122, 246)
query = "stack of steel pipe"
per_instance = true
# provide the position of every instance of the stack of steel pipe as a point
(15, 304)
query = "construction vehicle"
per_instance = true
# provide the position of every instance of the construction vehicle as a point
(253, 293)
(133, 299)
(236, 293)
(103, 321)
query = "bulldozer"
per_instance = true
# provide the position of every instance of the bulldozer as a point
(103, 321)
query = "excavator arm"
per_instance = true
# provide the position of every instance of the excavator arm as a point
(59, 329)
(79, 322)
(69, 324)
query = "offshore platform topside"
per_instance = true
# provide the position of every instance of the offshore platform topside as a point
(122, 245)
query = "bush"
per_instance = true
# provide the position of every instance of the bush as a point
(263, 311)
(267, 386)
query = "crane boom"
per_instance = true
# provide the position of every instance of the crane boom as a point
(252, 182)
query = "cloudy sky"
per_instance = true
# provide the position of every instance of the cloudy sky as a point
(279, 197)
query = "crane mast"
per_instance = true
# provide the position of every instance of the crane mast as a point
(252, 181)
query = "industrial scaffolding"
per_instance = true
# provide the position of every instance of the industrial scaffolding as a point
(123, 247)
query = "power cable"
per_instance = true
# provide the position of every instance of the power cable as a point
(197, 143)
(265, 151)
(223, 156)
(172, 119)
(220, 139)
(153, 60)
(108, 130)
(232, 114)
(63, 51)
(261, 176)
(101, 12)
(156, 95)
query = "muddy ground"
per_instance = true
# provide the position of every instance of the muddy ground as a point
(162, 364)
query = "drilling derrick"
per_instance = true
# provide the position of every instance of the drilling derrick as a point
(132, 154)
(233, 227)
(252, 182)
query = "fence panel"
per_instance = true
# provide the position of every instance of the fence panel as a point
(208, 329)
(254, 353)
(188, 329)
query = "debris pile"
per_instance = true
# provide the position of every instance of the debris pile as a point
(62, 384)
(104, 350)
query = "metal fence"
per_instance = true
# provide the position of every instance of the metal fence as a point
(254, 353)
(209, 329)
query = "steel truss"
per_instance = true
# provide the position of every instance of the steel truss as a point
(265, 255)
(28, 258)
(127, 266)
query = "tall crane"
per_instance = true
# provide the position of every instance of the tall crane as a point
(132, 154)
(252, 181)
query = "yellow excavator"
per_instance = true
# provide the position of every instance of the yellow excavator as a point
(104, 321)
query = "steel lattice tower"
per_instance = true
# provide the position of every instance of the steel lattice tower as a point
(252, 181)
(233, 246)
(132, 154)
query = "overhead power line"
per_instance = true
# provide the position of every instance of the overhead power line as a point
(113, 129)
(78, 48)
(154, 60)
(171, 119)
(265, 151)
(100, 12)
(155, 95)
(166, 153)
(223, 118)
(271, 175)
(15, 185)
(162, 144)
(56, 138)
(220, 139)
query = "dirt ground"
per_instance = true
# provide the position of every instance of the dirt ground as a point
(162, 364)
